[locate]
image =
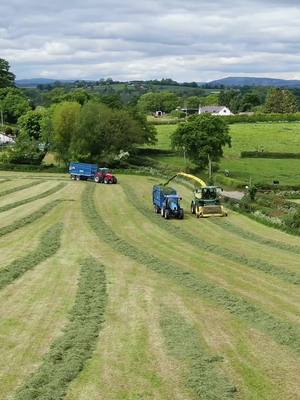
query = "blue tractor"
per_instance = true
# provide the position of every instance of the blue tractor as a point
(167, 202)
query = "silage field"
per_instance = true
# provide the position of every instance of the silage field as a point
(103, 299)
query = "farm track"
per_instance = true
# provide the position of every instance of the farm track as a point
(20, 223)
(283, 332)
(283, 274)
(49, 244)
(33, 198)
(19, 188)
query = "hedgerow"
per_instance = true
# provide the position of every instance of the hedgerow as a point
(20, 223)
(269, 154)
(33, 198)
(69, 353)
(18, 188)
(282, 332)
(256, 238)
(48, 246)
(200, 243)
(184, 343)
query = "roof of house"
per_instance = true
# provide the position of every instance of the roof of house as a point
(212, 109)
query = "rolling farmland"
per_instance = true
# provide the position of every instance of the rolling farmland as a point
(100, 298)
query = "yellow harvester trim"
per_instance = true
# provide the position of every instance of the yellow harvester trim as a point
(193, 178)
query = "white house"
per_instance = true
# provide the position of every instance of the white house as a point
(215, 110)
(5, 139)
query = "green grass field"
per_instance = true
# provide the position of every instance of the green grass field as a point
(274, 137)
(103, 299)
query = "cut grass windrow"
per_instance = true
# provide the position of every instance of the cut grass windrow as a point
(29, 218)
(18, 188)
(69, 353)
(48, 246)
(176, 231)
(282, 332)
(33, 198)
(256, 238)
(4, 180)
(184, 343)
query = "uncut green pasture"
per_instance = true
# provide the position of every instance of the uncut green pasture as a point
(161, 337)
(273, 137)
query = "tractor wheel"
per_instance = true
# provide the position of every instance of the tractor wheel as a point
(162, 212)
(77, 177)
(166, 214)
(115, 180)
(106, 181)
(181, 215)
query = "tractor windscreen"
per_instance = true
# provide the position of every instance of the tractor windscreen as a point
(209, 193)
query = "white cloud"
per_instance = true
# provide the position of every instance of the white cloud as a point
(190, 40)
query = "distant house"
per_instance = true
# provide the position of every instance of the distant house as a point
(215, 110)
(158, 113)
(189, 111)
(5, 139)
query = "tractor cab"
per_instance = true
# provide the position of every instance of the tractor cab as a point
(207, 195)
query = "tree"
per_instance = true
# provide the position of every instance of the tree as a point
(13, 103)
(65, 123)
(163, 101)
(202, 138)
(7, 78)
(30, 123)
(281, 101)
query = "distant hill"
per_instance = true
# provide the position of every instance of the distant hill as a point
(252, 81)
(38, 81)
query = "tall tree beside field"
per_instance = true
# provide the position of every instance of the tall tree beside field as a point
(202, 137)
(65, 123)
(160, 101)
(281, 101)
(13, 103)
(7, 78)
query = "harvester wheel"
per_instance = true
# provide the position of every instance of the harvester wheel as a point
(193, 208)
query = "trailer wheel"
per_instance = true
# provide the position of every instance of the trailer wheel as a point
(72, 177)
(97, 179)
(162, 212)
(77, 177)
(166, 214)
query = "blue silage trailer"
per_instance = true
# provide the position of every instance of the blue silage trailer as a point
(82, 171)
(166, 202)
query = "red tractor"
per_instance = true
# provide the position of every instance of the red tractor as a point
(104, 175)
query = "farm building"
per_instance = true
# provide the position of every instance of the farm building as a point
(5, 139)
(215, 110)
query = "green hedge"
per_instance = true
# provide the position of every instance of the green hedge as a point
(32, 168)
(233, 119)
(269, 154)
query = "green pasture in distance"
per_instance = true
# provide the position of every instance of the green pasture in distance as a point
(280, 137)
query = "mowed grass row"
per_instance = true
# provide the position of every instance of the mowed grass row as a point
(116, 242)
(34, 308)
(281, 331)
(20, 187)
(201, 243)
(39, 196)
(272, 294)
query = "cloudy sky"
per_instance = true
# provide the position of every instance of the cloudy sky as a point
(141, 39)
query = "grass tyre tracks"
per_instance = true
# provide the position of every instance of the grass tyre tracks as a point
(49, 244)
(19, 188)
(283, 332)
(184, 343)
(20, 223)
(33, 198)
(69, 353)
(280, 273)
